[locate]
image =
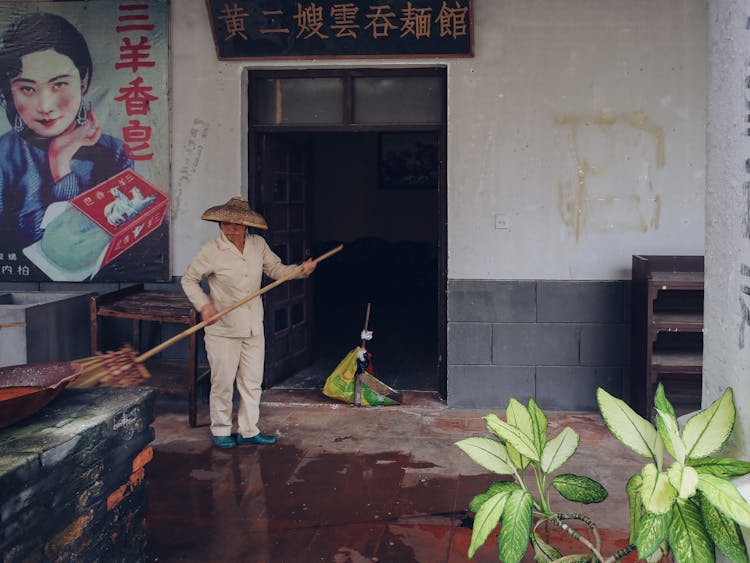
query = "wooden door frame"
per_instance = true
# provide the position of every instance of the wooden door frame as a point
(348, 74)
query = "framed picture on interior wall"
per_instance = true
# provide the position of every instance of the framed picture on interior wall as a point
(408, 160)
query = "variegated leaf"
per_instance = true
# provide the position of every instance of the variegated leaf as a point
(514, 533)
(633, 489)
(669, 431)
(488, 453)
(543, 552)
(684, 479)
(631, 429)
(688, 539)
(497, 487)
(662, 404)
(657, 494)
(517, 415)
(486, 520)
(720, 466)
(519, 461)
(725, 533)
(725, 497)
(652, 532)
(579, 488)
(658, 555)
(708, 431)
(559, 450)
(515, 437)
(538, 425)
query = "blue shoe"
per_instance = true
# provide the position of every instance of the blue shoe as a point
(259, 439)
(224, 442)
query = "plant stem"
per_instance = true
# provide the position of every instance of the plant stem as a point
(519, 479)
(586, 520)
(620, 554)
(541, 482)
(575, 558)
(558, 520)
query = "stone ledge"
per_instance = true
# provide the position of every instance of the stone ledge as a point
(71, 477)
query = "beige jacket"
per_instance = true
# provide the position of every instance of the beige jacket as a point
(231, 276)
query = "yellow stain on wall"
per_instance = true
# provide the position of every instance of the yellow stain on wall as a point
(640, 120)
(635, 143)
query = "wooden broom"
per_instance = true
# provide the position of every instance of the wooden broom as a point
(124, 368)
(363, 377)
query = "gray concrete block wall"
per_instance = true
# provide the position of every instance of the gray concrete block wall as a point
(556, 341)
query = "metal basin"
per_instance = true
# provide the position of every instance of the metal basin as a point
(27, 388)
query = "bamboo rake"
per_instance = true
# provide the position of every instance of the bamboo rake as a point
(123, 368)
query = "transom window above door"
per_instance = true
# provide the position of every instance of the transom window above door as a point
(359, 98)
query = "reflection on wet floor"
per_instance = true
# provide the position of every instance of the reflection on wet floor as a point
(346, 484)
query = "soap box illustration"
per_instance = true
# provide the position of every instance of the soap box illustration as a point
(126, 206)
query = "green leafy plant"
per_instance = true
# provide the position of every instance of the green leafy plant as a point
(687, 508)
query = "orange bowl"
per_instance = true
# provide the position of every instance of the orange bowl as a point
(27, 388)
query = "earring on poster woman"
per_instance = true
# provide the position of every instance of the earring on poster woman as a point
(18, 124)
(83, 113)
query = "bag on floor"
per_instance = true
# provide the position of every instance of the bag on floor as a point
(340, 384)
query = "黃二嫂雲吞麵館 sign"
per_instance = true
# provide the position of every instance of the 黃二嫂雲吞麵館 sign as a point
(247, 29)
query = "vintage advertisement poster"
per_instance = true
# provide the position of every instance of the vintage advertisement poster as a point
(84, 141)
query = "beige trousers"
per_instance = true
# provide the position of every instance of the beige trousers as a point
(230, 359)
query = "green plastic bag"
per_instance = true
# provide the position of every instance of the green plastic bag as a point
(341, 383)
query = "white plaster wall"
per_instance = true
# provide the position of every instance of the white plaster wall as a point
(726, 341)
(582, 121)
(726, 360)
(206, 94)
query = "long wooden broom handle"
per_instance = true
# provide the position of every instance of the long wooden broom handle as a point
(196, 327)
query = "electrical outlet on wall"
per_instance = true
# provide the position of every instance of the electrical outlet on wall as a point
(502, 223)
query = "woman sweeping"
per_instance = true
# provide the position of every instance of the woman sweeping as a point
(234, 264)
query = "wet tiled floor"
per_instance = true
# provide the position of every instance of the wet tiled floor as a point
(348, 484)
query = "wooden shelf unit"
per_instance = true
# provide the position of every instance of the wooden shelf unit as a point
(667, 331)
(175, 377)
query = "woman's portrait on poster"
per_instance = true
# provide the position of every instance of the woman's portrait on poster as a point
(55, 148)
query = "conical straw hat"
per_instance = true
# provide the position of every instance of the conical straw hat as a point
(236, 210)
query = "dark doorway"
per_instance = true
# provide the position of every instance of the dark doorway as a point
(380, 190)
(389, 260)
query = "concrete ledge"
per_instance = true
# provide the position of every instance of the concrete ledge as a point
(71, 478)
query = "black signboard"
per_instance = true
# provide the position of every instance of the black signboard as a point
(250, 29)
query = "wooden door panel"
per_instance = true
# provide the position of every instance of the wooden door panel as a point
(284, 191)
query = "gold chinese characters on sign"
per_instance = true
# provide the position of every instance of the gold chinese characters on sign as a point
(331, 28)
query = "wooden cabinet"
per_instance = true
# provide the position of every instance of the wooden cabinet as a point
(174, 377)
(667, 331)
